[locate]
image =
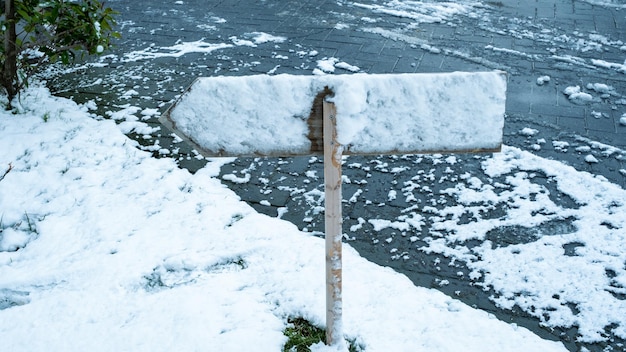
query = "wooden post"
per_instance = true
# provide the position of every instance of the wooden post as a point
(333, 228)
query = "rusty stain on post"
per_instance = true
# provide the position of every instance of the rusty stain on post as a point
(316, 121)
(333, 225)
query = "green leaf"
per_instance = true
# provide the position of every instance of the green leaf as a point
(22, 14)
(54, 14)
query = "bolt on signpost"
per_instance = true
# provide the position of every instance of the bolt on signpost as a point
(350, 115)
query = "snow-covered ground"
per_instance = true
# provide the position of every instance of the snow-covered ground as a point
(132, 238)
(104, 248)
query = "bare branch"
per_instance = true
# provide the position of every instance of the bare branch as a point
(6, 172)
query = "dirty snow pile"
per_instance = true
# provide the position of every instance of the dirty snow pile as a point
(104, 248)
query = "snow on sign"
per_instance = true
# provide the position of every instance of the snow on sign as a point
(376, 114)
(288, 115)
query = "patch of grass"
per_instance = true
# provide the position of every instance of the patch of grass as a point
(31, 225)
(302, 334)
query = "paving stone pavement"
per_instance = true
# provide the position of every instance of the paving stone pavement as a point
(166, 45)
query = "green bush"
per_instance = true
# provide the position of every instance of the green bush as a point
(35, 31)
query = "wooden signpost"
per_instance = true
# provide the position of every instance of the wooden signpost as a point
(341, 115)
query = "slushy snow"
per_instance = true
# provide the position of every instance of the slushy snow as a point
(576, 95)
